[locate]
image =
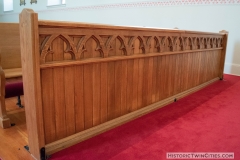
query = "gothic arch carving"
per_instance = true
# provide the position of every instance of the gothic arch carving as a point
(47, 43)
(98, 42)
(181, 44)
(142, 45)
(170, 44)
(205, 43)
(157, 43)
(123, 44)
(198, 43)
(211, 43)
(190, 43)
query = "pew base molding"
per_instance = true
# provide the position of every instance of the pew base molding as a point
(86, 134)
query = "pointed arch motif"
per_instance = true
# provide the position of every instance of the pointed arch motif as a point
(181, 44)
(221, 42)
(47, 49)
(129, 40)
(81, 44)
(175, 43)
(123, 44)
(205, 43)
(218, 42)
(115, 46)
(211, 43)
(214, 42)
(190, 42)
(163, 43)
(198, 43)
(142, 45)
(89, 45)
(157, 43)
(106, 46)
(170, 44)
(147, 43)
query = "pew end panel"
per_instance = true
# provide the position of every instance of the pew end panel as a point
(83, 79)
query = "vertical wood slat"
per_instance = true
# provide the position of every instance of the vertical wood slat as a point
(207, 67)
(198, 66)
(48, 105)
(118, 88)
(135, 85)
(111, 91)
(169, 73)
(79, 99)
(104, 92)
(187, 71)
(161, 78)
(177, 78)
(141, 76)
(150, 73)
(69, 90)
(59, 101)
(154, 80)
(184, 81)
(130, 64)
(124, 84)
(88, 95)
(204, 62)
(96, 94)
(145, 82)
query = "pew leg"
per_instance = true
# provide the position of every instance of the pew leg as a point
(19, 103)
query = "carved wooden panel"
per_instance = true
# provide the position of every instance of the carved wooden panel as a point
(110, 73)
(67, 47)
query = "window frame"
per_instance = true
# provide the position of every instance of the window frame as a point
(4, 7)
(63, 3)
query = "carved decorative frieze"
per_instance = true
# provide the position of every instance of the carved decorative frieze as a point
(62, 47)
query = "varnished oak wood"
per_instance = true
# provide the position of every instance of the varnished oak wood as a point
(31, 81)
(10, 63)
(83, 79)
(79, 137)
(10, 45)
(12, 73)
(46, 23)
(116, 58)
(4, 119)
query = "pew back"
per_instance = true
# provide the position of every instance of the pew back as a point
(83, 79)
(10, 45)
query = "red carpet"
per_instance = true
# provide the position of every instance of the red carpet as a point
(206, 121)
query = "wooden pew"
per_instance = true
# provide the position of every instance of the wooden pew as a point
(83, 79)
(10, 64)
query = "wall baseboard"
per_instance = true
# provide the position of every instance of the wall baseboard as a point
(231, 68)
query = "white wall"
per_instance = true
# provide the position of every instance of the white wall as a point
(203, 17)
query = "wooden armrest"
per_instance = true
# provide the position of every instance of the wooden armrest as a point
(12, 73)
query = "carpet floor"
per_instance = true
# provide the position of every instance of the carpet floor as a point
(205, 121)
